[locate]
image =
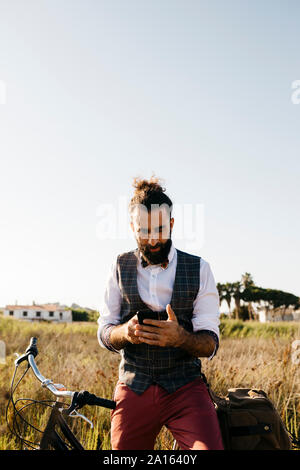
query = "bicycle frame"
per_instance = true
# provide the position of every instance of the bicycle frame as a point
(51, 438)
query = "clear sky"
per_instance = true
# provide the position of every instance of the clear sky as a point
(100, 91)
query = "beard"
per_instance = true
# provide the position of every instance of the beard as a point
(158, 257)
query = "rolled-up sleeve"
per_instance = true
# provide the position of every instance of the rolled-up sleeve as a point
(206, 313)
(109, 310)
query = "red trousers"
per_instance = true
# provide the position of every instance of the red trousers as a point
(188, 413)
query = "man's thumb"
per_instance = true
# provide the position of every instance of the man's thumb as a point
(171, 313)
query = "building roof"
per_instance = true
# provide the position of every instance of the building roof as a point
(51, 307)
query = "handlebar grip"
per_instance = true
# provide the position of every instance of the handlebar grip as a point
(86, 398)
(32, 348)
(103, 402)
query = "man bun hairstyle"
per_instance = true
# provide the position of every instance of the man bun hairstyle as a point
(148, 193)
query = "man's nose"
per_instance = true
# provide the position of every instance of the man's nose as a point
(153, 241)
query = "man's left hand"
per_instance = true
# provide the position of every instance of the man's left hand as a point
(162, 333)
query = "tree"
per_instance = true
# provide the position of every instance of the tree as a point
(246, 291)
(283, 300)
(221, 292)
(247, 280)
(237, 295)
(248, 283)
(225, 293)
(271, 298)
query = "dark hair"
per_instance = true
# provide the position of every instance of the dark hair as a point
(148, 192)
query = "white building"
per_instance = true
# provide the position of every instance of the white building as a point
(50, 312)
(278, 314)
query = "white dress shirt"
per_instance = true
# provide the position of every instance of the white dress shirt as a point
(155, 286)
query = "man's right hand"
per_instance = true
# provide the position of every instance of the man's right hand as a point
(130, 330)
(124, 333)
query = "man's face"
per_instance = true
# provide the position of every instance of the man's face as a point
(152, 231)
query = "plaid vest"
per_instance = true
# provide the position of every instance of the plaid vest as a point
(142, 364)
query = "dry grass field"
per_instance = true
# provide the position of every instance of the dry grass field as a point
(250, 355)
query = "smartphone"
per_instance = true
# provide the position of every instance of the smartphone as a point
(150, 315)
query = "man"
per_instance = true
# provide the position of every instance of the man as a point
(160, 379)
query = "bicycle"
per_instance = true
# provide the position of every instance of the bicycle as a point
(56, 426)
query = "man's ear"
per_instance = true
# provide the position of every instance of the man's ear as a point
(171, 223)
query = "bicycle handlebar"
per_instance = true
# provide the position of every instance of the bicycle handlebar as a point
(30, 354)
(46, 382)
(79, 399)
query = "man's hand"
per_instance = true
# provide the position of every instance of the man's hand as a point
(130, 330)
(124, 333)
(162, 333)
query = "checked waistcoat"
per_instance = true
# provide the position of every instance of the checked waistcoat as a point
(142, 364)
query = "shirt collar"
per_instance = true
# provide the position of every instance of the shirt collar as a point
(164, 266)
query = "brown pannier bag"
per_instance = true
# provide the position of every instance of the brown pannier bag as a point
(249, 421)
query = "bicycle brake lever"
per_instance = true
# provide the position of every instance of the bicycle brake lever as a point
(59, 387)
(78, 415)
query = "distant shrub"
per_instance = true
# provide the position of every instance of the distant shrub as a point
(243, 329)
(223, 316)
(83, 315)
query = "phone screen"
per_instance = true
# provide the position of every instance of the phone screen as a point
(148, 314)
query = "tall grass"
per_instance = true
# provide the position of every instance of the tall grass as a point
(250, 355)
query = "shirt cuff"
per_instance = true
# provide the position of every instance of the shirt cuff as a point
(105, 337)
(215, 337)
